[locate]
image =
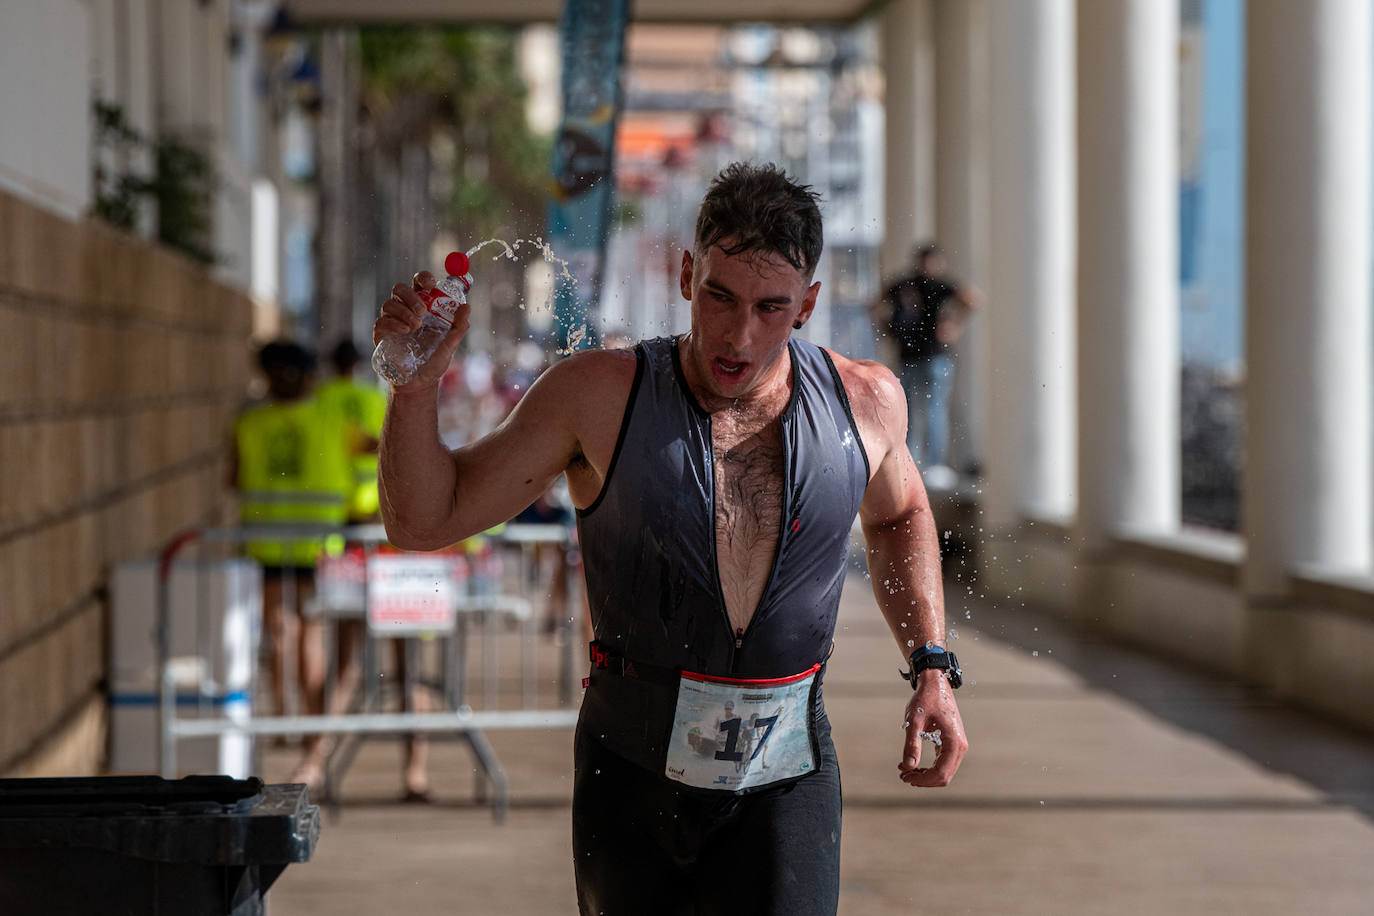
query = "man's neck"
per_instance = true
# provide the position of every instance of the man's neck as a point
(771, 394)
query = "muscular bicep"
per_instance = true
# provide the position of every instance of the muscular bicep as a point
(880, 412)
(895, 491)
(506, 470)
(566, 422)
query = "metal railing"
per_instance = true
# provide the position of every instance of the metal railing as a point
(487, 607)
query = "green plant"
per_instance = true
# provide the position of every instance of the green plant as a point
(116, 195)
(461, 82)
(184, 188)
(182, 183)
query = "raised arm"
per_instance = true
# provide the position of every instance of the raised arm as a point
(904, 564)
(432, 497)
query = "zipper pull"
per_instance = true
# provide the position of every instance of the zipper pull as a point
(739, 637)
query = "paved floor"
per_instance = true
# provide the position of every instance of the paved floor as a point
(1098, 781)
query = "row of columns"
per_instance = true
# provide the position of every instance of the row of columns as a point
(1052, 181)
(1307, 244)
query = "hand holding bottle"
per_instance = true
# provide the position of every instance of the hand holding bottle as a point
(421, 325)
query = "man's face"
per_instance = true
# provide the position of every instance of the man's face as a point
(743, 310)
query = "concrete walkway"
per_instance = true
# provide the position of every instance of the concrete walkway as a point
(1098, 781)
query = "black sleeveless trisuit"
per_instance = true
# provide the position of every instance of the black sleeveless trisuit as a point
(645, 844)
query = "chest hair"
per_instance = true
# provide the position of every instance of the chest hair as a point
(748, 485)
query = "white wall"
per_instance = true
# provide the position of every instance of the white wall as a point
(45, 104)
(165, 63)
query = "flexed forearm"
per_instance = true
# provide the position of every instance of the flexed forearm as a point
(417, 477)
(904, 561)
(904, 564)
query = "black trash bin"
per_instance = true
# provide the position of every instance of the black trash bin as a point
(116, 845)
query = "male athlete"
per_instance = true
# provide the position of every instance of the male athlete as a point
(716, 475)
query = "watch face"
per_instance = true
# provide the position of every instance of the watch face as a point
(955, 674)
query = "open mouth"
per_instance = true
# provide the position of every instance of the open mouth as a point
(729, 368)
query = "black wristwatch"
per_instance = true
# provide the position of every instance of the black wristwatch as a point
(935, 657)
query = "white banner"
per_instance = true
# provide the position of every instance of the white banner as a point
(410, 594)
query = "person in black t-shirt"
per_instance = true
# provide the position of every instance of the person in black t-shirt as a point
(926, 312)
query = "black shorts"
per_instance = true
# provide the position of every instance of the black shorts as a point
(644, 845)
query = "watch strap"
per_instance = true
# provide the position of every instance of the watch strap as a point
(927, 657)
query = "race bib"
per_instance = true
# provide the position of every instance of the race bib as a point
(731, 734)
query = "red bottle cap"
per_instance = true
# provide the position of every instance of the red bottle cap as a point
(456, 264)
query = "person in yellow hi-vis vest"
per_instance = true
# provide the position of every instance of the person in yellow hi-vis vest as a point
(363, 407)
(292, 468)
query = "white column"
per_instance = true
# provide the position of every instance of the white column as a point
(1128, 309)
(1307, 246)
(961, 161)
(908, 60)
(1029, 319)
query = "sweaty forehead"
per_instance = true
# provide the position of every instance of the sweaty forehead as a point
(755, 264)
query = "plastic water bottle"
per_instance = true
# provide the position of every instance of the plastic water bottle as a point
(399, 357)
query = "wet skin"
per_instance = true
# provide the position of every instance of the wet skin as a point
(736, 362)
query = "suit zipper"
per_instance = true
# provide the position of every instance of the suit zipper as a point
(784, 526)
(783, 515)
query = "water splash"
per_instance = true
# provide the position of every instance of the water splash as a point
(575, 338)
(509, 250)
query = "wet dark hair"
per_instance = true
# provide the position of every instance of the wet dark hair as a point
(345, 356)
(285, 354)
(287, 366)
(759, 208)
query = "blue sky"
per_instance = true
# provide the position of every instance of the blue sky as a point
(1212, 319)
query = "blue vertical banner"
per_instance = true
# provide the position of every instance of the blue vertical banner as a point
(592, 38)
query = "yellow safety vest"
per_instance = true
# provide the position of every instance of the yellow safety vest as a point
(293, 468)
(363, 407)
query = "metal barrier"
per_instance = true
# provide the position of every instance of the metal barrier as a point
(400, 596)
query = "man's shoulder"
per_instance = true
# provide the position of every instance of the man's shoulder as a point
(860, 371)
(588, 376)
(614, 361)
(871, 387)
